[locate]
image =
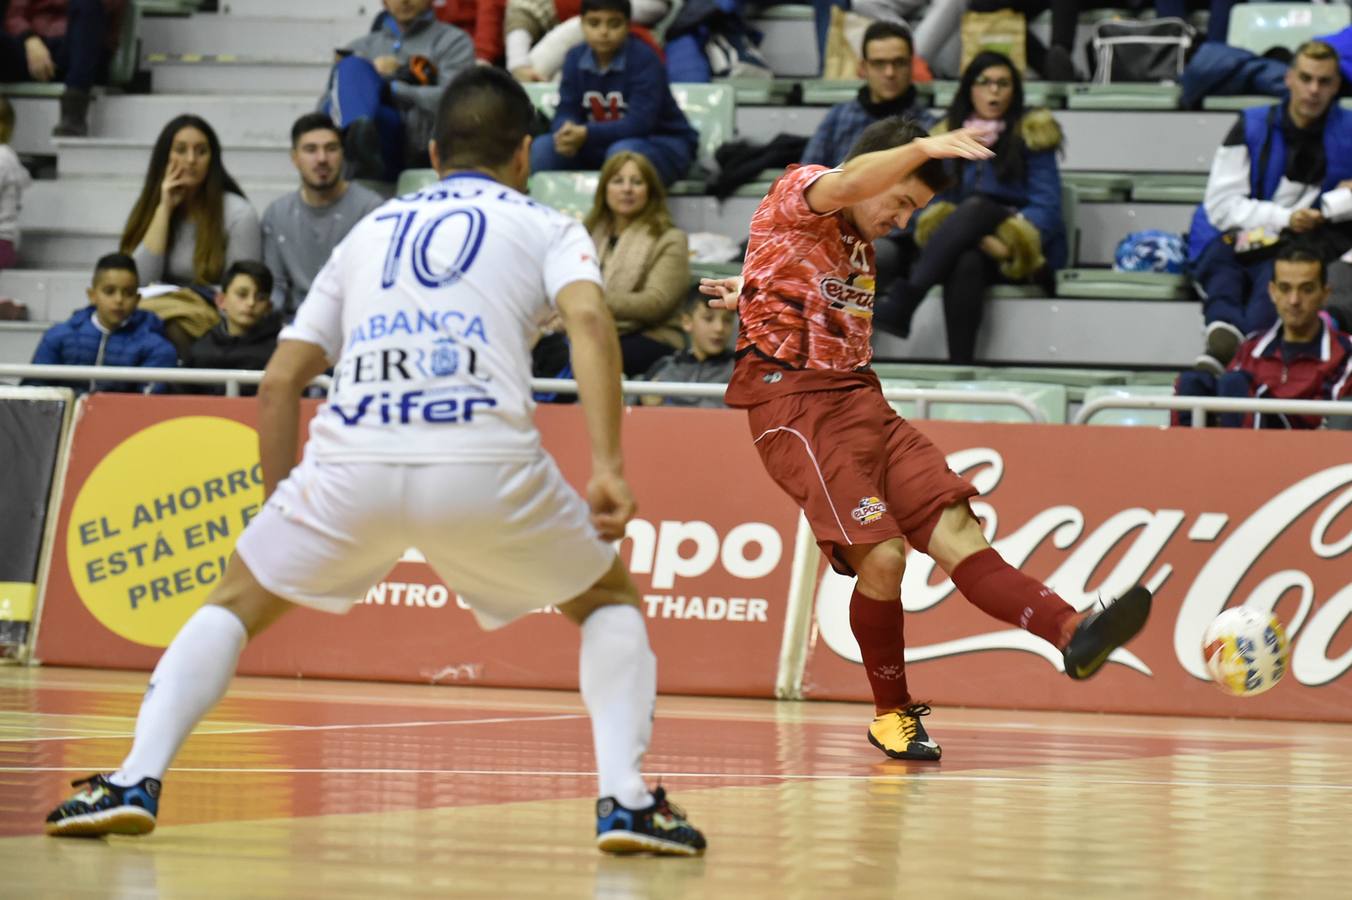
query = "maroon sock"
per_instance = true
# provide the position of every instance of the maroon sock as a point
(1000, 590)
(877, 627)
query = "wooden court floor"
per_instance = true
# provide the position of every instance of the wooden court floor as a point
(302, 789)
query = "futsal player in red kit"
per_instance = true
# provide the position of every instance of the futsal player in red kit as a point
(868, 482)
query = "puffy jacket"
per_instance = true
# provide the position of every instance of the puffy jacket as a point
(1250, 184)
(219, 349)
(1037, 196)
(78, 341)
(1325, 373)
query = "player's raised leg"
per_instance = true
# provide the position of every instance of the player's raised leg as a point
(618, 679)
(190, 678)
(1086, 639)
(877, 624)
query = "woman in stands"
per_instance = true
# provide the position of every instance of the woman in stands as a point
(645, 260)
(1001, 222)
(190, 222)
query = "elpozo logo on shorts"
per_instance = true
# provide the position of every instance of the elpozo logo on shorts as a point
(869, 510)
(157, 519)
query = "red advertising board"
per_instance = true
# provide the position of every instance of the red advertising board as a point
(158, 489)
(1207, 519)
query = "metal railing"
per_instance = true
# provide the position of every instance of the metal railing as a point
(1199, 406)
(234, 378)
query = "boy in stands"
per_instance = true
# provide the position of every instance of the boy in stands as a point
(868, 481)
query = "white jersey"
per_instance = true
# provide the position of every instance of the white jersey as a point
(428, 310)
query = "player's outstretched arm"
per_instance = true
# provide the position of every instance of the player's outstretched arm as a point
(293, 365)
(870, 174)
(596, 366)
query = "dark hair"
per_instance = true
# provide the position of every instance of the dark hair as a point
(1009, 163)
(252, 269)
(1299, 252)
(482, 117)
(896, 131)
(314, 121)
(622, 7)
(116, 262)
(206, 207)
(881, 30)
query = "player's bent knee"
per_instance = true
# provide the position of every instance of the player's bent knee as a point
(614, 588)
(881, 568)
(957, 536)
(240, 592)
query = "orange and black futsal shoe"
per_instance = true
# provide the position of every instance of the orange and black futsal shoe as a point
(901, 735)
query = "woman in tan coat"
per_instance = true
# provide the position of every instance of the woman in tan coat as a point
(645, 260)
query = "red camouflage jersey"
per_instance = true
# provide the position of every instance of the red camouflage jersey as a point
(806, 306)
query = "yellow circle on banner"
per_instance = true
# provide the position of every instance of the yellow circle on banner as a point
(157, 519)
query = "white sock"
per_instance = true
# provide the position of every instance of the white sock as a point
(190, 678)
(619, 686)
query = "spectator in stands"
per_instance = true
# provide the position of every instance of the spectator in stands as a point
(1002, 221)
(707, 360)
(14, 180)
(481, 20)
(301, 229)
(645, 260)
(539, 33)
(111, 331)
(1283, 170)
(1302, 356)
(614, 97)
(383, 91)
(72, 40)
(190, 222)
(247, 334)
(887, 91)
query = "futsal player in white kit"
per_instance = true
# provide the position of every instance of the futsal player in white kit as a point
(427, 312)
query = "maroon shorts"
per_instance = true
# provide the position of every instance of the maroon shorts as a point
(860, 473)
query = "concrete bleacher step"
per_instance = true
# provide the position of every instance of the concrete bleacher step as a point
(189, 74)
(1103, 225)
(67, 248)
(34, 118)
(789, 44)
(129, 157)
(302, 9)
(50, 294)
(1096, 140)
(97, 205)
(264, 37)
(18, 340)
(1062, 332)
(237, 119)
(1108, 284)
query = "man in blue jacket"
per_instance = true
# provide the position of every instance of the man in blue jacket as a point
(614, 96)
(111, 331)
(1282, 170)
(887, 91)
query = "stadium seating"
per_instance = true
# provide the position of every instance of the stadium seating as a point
(1259, 27)
(1151, 417)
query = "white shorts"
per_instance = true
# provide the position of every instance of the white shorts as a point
(509, 538)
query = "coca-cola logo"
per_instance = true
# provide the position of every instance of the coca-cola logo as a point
(850, 297)
(1146, 547)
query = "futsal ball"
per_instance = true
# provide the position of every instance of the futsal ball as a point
(1246, 651)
